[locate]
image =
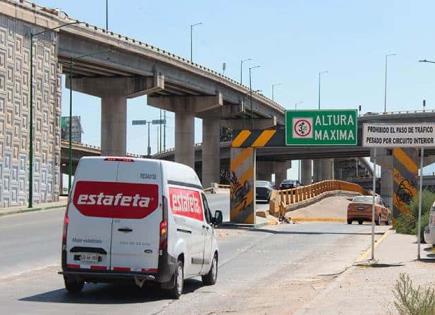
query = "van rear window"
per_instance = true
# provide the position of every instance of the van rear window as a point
(115, 200)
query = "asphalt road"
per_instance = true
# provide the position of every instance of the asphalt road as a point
(270, 270)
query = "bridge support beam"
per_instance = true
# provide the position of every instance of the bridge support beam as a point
(185, 138)
(113, 125)
(210, 151)
(306, 171)
(114, 93)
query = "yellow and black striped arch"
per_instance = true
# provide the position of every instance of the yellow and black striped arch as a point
(257, 138)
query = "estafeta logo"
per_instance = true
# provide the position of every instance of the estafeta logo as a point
(186, 202)
(115, 200)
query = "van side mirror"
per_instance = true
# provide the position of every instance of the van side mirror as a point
(218, 217)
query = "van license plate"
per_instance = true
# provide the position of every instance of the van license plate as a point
(89, 258)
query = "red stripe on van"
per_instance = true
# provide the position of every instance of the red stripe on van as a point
(73, 266)
(115, 200)
(96, 267)
(152, 270)
(121, 269)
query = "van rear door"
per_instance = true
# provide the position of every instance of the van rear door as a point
(90, 222)
(136, 221)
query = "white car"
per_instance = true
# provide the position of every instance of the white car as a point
(138, 220)
(429, 231)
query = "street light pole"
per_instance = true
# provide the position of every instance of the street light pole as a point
(164, 131)
(32, 36)
(385, 85)
(70, 172)
(250, 93)
(298, 103)
(241, 68)
(149, 139)
(191, 39)
(320, 75)
(70, 127)
(273, 90)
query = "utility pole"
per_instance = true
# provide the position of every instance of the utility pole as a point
(250, 94)
(385, 86)
(32, 37)
(273, 90)
(320, 76)
(241, 68)
(191, 39)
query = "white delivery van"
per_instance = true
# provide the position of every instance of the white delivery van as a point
(138, 220)
(429, 231)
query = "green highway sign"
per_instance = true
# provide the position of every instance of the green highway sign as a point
(321, 127)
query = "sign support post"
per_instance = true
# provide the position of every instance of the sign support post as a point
(420, 201)
(373, 204)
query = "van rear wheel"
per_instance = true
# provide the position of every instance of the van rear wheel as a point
(73, 286)
(177, 290)
(211, 277)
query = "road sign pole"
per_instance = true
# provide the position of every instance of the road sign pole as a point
(373, 204)
(420, 201)
(149, 140)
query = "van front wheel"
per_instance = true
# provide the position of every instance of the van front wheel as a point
(177, 290)
(73, 286)
(211, 277)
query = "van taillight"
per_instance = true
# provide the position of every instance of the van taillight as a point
(163, 235)
(65, 226)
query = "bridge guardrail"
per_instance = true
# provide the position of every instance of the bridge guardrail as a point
(281, 200)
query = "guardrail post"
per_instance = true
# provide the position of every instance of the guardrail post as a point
(287, 197)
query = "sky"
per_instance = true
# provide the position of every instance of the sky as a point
(291, 41)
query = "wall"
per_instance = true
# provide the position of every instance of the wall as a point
(14, 114)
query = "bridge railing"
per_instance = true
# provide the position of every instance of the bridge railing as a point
(282, 199)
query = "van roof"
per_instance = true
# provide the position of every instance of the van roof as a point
(174, 171)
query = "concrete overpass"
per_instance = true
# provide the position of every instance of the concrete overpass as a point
(115, 68)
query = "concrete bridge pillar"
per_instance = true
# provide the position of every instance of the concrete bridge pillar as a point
(264, 170)
(114, 125)
(306, 171)
(185, 138)
(387, 186)
(280, 170)
(114, 93)
(323, 169)
(210, 150)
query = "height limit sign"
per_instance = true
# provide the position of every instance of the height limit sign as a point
(321, 127)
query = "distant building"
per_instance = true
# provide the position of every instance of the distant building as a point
(77, 130)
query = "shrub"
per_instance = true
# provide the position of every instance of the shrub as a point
(407, 222)
(411, 300)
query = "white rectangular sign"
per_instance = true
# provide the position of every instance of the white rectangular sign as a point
(398, 135)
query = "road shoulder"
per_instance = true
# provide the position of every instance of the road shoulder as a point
(368, 289)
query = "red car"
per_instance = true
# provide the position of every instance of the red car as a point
(360, 209)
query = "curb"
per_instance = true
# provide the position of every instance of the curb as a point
(318, 219)
(244, 225)
(26, 210)
(367, 252)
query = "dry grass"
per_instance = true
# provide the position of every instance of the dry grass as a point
(411, 300)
